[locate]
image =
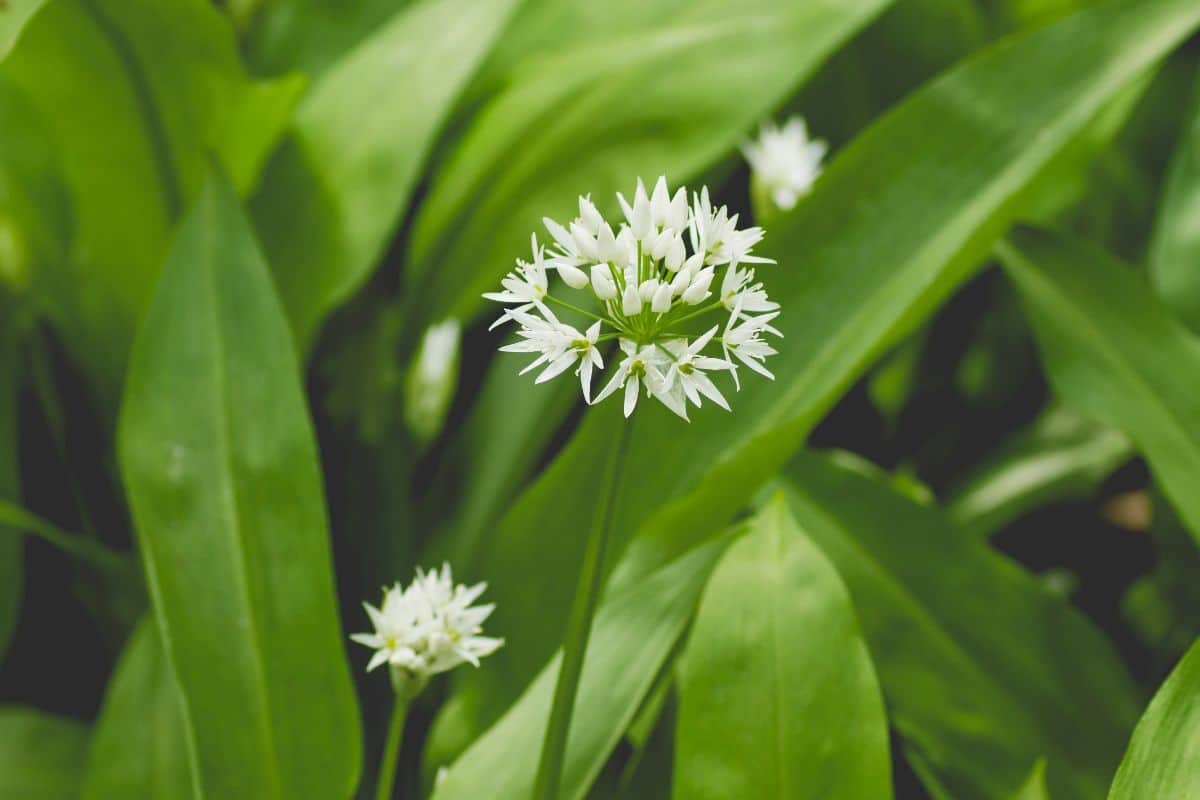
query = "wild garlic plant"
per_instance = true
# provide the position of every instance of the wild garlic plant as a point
(425, 629)
(784, 164)
(675, 286)
(654, 284)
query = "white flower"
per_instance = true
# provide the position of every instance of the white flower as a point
(647, 285)
(428, 628)
(785, 161)
(688, 366)
(745, 342)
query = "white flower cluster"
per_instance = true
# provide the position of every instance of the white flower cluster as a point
(651, 287)
(428, 628)
(785, 161)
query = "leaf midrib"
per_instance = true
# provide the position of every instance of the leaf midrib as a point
(229, 495)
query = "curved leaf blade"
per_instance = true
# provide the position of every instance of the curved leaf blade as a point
(1114, 352)
(1163, 759)
(776, 641)
(219, 461)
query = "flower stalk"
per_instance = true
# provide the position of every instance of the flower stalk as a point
(385, 785)
(579, 625)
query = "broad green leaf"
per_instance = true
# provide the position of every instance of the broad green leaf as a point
(135, 93)
(333, 194)
(1163, 759)
(219, 462)
(14, 16)
(983, 670)
(1060, 456)
(634, 632)
(139, 747)
(1114, 353)
(41, 755)
(11, 562)
(670, 96)
(776, 642)
(1175, 249)
(854, 277)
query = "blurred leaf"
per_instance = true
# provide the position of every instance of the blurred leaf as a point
(1175, 249)
(1162, 760)
(983, 670)
(11, 561)
(1035, 787)
(139, 747)
(135, 93)
(220, 465)
(14, 16)
(311, 35)
(856, 276)
(776, 641)
(1061, 456)
(41, 755)
(1114, 353)
(592, 116)
(634, 632)
(333, 194)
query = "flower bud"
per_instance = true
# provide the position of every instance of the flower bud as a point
(607, 246)
(647, 289)
(682, 280)
(602, 283)
(585, 243)
(661, 303)
(640, 224)
(678, 213)
(589, 215)
(432, 379)
(631, 302)
(675, 254)
(661, 245)
(572, 275)
(698, 291)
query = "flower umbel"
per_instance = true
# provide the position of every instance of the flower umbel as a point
(428, 628)
(785, 162)
(650, 285)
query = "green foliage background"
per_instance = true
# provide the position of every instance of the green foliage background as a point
(950, 552)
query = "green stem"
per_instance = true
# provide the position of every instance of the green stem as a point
(575, 308)
(579, 625)
(391, 750)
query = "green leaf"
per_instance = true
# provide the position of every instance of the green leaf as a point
(41, 756)
(220, 465)
(776, 641)
(135, 94)
(854, 278)
(1163, 759)
(1114, 353)
(1175, 249)
(1061, 456)
(333, 194)
(634, 632)
(139, 747)
(11, 561)
(670, 96)
(983, 670)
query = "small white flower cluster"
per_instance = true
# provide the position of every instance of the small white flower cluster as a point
(785, 161)
(651, 285)
(428, 628)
